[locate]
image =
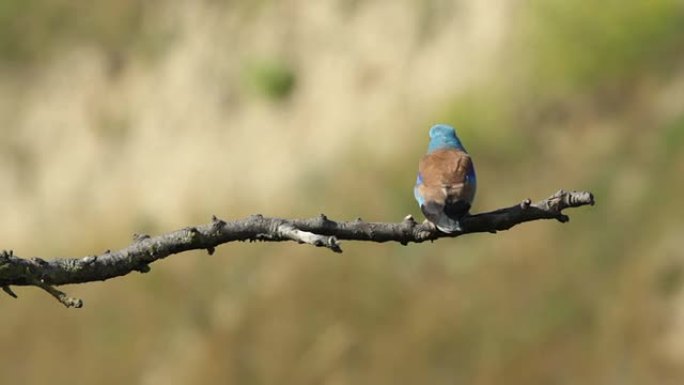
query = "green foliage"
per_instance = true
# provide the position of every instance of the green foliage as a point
(271, 78)
(673, 139)
(576, 44)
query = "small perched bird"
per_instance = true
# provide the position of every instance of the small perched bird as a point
(445, 186)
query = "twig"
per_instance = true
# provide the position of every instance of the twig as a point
(318, 231)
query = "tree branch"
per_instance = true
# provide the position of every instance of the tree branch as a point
(318, 231)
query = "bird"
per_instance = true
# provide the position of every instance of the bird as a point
(446, 183)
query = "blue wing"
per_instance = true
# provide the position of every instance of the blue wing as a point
(471, 180)
(416, 191)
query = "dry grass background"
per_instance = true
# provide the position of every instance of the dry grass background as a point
(132, 116)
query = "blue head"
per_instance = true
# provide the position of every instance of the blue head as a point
(444, 136)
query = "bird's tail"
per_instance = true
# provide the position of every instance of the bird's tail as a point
(448, 225)
(449, 218)
(445, 219)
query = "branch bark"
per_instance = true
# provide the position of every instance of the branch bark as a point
(318, 231)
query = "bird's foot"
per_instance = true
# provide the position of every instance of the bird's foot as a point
(430, 225)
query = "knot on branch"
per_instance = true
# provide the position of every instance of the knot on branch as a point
(290, 232)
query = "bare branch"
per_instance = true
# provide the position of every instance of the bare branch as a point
(60, 296)
(318, 231)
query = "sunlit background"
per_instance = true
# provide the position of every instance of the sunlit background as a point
(134, 116)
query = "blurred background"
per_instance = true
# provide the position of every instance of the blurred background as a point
(133, 116)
